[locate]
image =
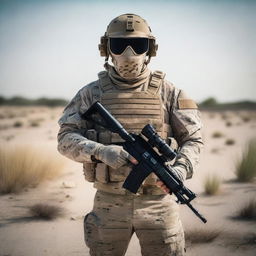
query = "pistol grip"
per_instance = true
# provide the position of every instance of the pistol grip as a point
(136, 177)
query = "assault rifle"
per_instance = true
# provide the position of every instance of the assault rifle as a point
(148, 159)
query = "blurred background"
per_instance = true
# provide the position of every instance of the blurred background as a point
(50, 48)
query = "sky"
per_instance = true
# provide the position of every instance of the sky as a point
(50, 48)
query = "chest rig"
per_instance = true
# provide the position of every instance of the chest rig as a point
(133, 109)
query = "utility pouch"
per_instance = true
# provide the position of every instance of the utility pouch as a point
(91, 134)
(89, 171)
(102, 173)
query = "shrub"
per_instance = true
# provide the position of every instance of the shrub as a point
(11, 115)
(228, 123)
(246, 119)
(197, 236)
(18, 124)
(211, 115)
(249, 239)
(46, 211)
(248, 210)
(21, 101)
(217, 135)
(224, 116)
(212, 185)
(50, 102)
(4, 127)
(230, 142)
(209, 102)
(34, 124)
(26, 166)
(246, 167)
(215, 150)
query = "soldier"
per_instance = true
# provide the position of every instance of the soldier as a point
(135, 96)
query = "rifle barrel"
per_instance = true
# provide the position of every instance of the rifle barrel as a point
(201, 217)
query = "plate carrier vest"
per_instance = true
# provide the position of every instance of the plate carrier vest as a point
(133, 110)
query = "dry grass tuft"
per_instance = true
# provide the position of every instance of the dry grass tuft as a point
(250, 239)
(34, 124)
(212, 185)
(212, 115)
(248, 210)
(230, 142)
(4, 127)
(26, 166)
(198, 236)
(215, 150)
(46, 211)
(246, 119)
(246, 168)
(228, 123)
(8, 138)
(10, 115)
(237, 240)
(217, 135)
(224, 116)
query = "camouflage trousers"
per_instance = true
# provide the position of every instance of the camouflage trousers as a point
(109, 227)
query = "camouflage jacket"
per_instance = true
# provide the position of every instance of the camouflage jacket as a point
(184, 119)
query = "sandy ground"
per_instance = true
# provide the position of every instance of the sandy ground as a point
(22, 235)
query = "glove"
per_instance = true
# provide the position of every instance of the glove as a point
(113, 155)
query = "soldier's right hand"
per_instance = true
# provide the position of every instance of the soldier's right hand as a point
(114, 156)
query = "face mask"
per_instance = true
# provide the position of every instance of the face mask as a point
(129, 65)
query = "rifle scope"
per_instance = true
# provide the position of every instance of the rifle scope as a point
(156, 141)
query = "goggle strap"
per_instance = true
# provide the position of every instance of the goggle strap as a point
(148, 60)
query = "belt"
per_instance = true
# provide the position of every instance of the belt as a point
(116, 188)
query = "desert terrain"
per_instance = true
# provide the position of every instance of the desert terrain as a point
(22, 234)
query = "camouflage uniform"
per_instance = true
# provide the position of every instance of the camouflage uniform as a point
(117, 214)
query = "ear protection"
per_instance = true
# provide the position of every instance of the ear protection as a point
(153, 47)
(103, 46)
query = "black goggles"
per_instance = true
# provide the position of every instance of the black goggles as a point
(139, 45)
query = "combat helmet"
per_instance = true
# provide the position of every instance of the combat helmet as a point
(128, 26)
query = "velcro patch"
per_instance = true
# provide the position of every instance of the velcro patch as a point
(186, 104)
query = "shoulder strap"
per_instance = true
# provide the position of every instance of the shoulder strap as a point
(105, 82)
(96, 92)
(156, 82)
